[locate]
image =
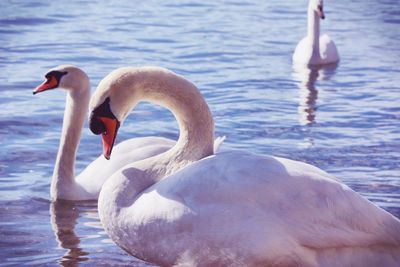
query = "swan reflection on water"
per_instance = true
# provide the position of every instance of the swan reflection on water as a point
(306, 77)
(64, 216)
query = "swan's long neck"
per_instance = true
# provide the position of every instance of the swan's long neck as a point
(195, 141)
(74, 118)
(196, 125)
(195, 122)
(313, 30)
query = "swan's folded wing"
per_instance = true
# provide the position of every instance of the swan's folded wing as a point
(267, 208)
(328, 49)
(305, 202)
(303, 52)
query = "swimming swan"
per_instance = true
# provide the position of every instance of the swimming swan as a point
(87, 185)
(313, 49)
(191, 207)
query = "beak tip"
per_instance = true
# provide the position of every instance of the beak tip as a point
(108, 136)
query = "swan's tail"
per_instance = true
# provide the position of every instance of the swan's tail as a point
(218, 142)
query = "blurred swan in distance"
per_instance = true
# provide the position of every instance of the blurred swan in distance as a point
(315, 49)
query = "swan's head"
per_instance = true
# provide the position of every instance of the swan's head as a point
(114, 98)
(67, 77)
(318, 7)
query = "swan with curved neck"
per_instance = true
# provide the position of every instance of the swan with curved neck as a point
(190, 207)
(87, 185)
(315, 49)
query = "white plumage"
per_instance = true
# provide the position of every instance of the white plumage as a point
(315, 49)
(87, 185)
(188, 207)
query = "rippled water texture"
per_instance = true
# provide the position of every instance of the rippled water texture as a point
(344, 119)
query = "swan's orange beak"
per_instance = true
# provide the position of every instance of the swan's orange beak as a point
(49, 83)
(109, 135)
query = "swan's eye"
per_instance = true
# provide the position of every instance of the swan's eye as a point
(56, 74)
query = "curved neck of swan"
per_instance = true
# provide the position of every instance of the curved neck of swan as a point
(74, 117)
(195, 141)
(194, 118)
(313, 30)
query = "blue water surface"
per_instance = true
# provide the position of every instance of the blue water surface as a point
(344, 119)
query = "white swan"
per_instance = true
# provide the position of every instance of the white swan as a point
(313, 49)
(87, 185)
(192, 208)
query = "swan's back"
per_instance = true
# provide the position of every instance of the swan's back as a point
(239, 207)
(304, 54)
(328, 50)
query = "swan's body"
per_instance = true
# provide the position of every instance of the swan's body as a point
(91, 179)
(87, 185)
(190, 207)
(315, 49)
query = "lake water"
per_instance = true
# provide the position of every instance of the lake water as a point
(345, 120)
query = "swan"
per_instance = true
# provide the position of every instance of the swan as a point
(191, 207)
(313, 49)
(87, 185)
